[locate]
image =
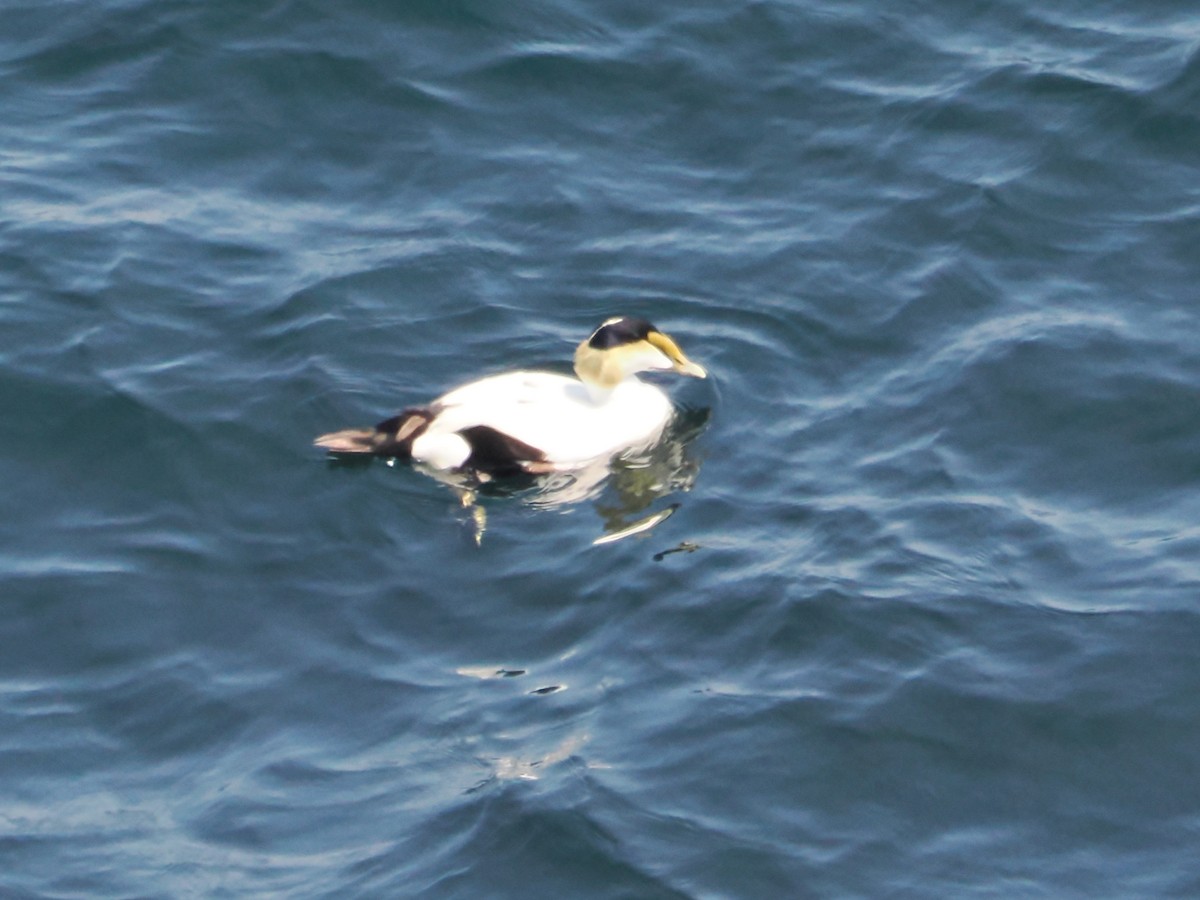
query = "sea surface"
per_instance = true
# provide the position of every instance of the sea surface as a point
(914, 610)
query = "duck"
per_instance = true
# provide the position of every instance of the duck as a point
(536, 422)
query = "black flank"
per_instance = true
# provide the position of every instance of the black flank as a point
(497, 453)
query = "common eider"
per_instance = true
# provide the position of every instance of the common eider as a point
(538, 422)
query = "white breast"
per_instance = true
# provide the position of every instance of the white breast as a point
(554, 413)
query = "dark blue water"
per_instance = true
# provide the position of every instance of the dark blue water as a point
(924, 622)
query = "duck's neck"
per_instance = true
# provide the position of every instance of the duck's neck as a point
(599, 374)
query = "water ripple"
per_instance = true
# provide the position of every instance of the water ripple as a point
(921, 619)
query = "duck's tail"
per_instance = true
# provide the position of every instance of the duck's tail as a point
(391, 437)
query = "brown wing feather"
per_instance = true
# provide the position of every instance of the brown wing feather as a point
(391, 437)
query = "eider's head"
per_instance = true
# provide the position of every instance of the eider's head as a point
(624, 346)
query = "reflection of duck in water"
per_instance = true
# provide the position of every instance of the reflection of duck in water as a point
(622, 488)
(538, 422)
